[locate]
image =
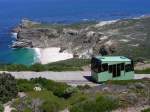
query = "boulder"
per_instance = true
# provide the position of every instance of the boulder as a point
(140, 85)
(70, 32)
(132, 98)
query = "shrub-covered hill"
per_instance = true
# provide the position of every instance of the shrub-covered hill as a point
(42, 95)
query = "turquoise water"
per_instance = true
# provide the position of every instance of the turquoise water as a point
(25, 56)
(19, 56)
(60, 11)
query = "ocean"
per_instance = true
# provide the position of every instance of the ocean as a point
(58, 11)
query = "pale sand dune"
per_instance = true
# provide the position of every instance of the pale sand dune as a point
(48, 55)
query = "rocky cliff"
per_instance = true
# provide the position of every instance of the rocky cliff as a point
(129, 37)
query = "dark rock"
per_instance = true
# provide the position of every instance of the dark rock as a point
(22, 44)
(62, 49)
(103, 51)
(140, 85)
(70, 32)
(106, 89)
(132, 87)
(132, 98)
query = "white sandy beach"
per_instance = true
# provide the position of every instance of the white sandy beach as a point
(49, 55)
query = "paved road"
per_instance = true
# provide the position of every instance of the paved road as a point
(74, 77)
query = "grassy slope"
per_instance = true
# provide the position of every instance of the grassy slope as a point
(145, 71)
(66, 65)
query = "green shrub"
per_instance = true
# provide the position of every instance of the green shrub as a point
(8, 87)
(121, 82)
(1, 107)
(51, 103)
(146, 110)
(13, 67)
(65, 65)
(51, 106)
(37, 67)
(97, 104)
(58, 89)
(77, 98)
(24, 85)
(69, 91)
(145, 71)
(83, 87)
(27, 110)
(126, 82)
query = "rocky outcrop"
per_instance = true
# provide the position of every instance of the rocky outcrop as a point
(78, 41)
(22, 44)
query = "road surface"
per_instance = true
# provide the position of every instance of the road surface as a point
(70, 77)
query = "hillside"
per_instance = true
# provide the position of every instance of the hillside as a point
(129, 37)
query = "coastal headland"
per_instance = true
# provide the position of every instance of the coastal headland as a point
(129, 37)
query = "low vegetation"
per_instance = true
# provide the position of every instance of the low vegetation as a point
(123, 82)
(8, 87)
(58, 89)
(146, 110)
(42, 101)
(145, 71)
(42, 95)
(1, 107)
(78, 25)
(67, 65)
(98, 103)
(54, 96)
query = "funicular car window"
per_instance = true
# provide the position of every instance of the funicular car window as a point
(94, 64)
(110, 68)
(128, 68)
(104, 67)
(122, 66)
(114, 71)
(132, 64)
(99, 68)
(118, 70)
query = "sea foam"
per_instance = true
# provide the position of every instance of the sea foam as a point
(14, 35)
(37, 57)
